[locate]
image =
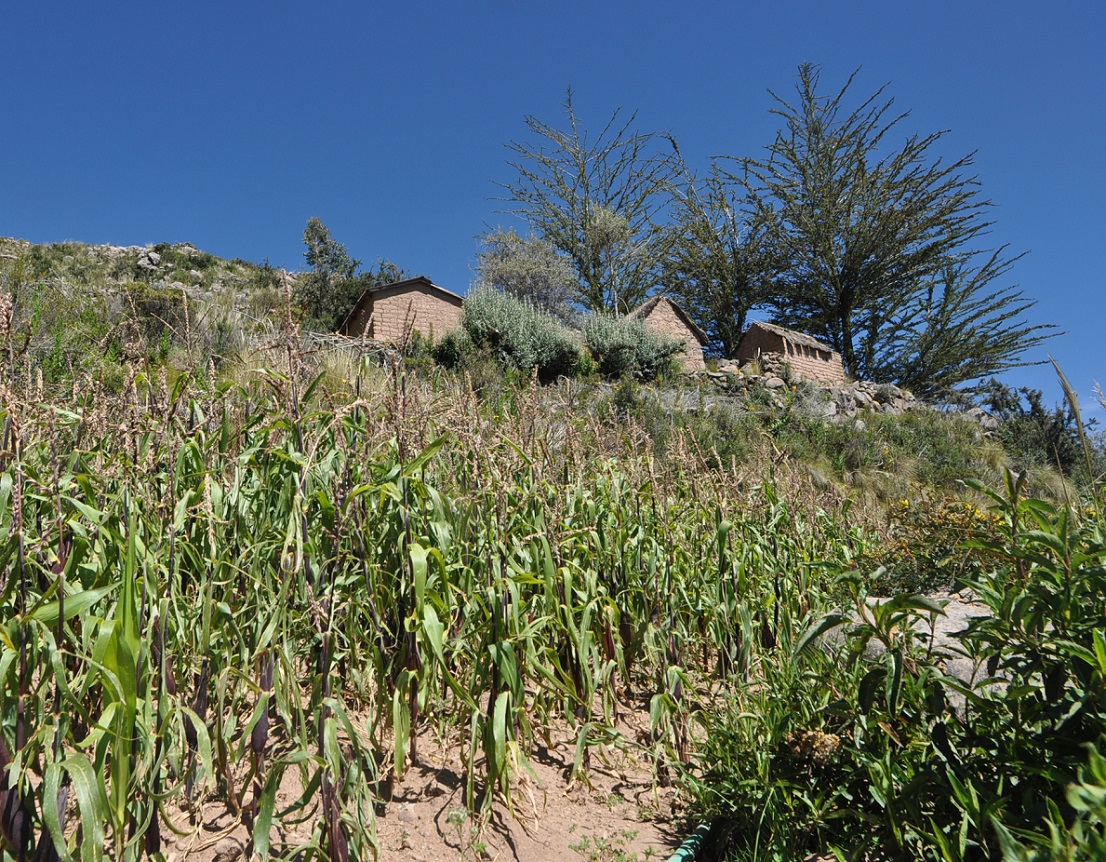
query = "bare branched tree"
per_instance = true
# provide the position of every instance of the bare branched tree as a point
(597, 201)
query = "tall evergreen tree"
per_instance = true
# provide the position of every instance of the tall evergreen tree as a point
(720, 264)
(878, 242)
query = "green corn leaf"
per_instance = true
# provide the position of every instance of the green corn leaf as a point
(499, 731)
(203, 741)
(91, 796)
(895, 689)
(401, 721)
(75, 604)
(434, 631)
(912, 602)
(581, 748)
(310, 390)
(418, 566)
(423, 458)
(1100, 651)
(263, 823)
(51, 785)
(95, 516)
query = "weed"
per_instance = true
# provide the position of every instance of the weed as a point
(600, 848)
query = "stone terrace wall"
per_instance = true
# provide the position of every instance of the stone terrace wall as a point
(663, 320)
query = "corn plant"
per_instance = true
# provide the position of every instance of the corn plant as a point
(211, 592)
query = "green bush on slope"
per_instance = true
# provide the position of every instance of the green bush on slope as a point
(518, 334)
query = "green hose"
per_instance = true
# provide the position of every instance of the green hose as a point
(687, 851)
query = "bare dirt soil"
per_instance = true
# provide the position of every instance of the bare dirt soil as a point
(619, 814)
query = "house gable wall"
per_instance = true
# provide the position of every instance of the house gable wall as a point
(663, 320)
(384, 314)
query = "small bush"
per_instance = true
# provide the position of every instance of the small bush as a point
(624, 346)
(451, 351)
(156, 309)
(933, 546)
(518, 334)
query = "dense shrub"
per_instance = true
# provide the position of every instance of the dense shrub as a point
(184, 257)
(450, 352)
(156, 309)
(624, 346)
(1036, 436)
(870, 749)
(517, 334)
(927, 550)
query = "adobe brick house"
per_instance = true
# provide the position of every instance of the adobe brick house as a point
(808, 357)
(382, 313)
(662, 316)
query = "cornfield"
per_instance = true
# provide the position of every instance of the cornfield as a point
(207, 591)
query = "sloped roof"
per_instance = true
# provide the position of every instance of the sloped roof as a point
(418, 281)
(643, 311)
(791, 335)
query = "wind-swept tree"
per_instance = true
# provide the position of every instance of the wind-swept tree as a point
(871, 233)
(719, 263)
(597, 200)
(960, 329)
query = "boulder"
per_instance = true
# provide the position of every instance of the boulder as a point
(845, 401)
(986, 421)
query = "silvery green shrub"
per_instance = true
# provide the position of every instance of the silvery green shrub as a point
(518, 334)
(624, 346)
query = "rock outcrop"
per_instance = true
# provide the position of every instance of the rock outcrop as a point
(838, 401)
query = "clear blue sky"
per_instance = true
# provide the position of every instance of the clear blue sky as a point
(229, 124)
